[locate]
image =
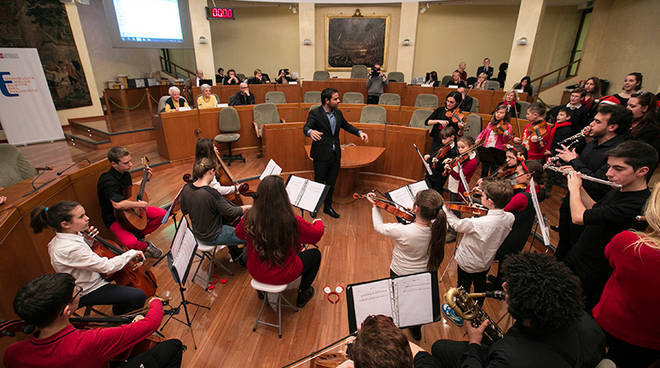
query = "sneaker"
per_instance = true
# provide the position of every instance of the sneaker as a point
(152, 251)
(451, 315)
(304, 297)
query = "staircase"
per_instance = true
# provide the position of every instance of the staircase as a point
(175, 70)
(555, 77)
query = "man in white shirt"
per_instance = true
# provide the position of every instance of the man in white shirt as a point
(482, 236)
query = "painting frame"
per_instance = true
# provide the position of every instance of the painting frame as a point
(328, 18)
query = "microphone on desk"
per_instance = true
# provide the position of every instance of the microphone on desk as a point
(72, 165)
(45, 168)
(35, 188)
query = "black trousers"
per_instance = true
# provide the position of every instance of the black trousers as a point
(466, 280)
(569, 233)
(311, 261)
(414, 329)
(326, 172)
(122, 298)
(373, 99)
(488, 168)
(166, 354)
(449, 353)
(628, 356)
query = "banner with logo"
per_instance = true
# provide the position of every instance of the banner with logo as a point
(28, 113)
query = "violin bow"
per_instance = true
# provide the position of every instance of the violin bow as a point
(515, 112)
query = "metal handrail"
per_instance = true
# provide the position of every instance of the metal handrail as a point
(559, 73)
(173, 68)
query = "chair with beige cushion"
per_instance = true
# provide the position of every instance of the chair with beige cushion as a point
(419, 117)
(395, 77)
(229, 125)
(275, 97)
(373, 114)
(161, 103)
(359, 71)
(389, 99)
(426, 100)
(321, 75)
(265, 113)
(14, 167)
(353, 98)
(312, 97)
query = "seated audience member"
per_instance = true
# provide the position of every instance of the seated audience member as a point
(379, 343)
(284, 77)
(199, 78)
(258, 78)
(455, 81)
(175, 101)
(485, 68)
(645, 126)
(591, 93)
(628, 163)
(631, 84)
(70, 253)
(461, 71)
(206, 100)
(431, 80)
(220, 76)
(419, 246)
(275, 254)
(48, 302)
(466, 103)
(537, 135)
(242, 97)
(482, 236)
(510, 100)
(111, 190)
(481, 81)
(436, 159)
(376, 82)
(501, 75)
(231, 78)
(525, 85)
(562, 128)
(439, 119)
(578, 114)
(496, 135)
(207, 207)
(627, 310)
(551, 328)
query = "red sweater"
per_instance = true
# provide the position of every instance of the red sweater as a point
(93, 348)
(270, 273)
(628, 307)
(469, 167)
(535, 151)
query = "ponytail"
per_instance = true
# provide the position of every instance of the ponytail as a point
(52, 216)
(430, 203)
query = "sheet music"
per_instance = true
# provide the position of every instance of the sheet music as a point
(460, 174)
(426, 164)
(539, 215)
(414, 295)
(304, 193)
(371, 299)
(183, 249)
(271, 169)
(169, 210)
(293, 188)
(417, 187)
(405, 196)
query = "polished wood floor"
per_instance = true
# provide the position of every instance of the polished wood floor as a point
(352, 252)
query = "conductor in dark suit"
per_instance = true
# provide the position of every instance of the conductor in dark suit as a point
(323, 125)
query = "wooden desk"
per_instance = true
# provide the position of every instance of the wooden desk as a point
(352, 159)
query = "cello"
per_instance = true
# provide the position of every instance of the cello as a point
(135, 219)
(141, 277)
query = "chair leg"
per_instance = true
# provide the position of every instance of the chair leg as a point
(231, 157)
(259, 314)
(279, 316)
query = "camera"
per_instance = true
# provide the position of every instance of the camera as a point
(375, 72)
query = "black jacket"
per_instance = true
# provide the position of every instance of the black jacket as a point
(239, 99)
(488, 72)
(328, 148)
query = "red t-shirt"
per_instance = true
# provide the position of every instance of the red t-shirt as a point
(270, 273)
(628, 307)
(93, 348)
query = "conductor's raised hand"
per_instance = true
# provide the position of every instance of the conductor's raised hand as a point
(364, 137)
(315, 135)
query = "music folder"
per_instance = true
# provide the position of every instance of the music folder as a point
(305, 194)
(410, 300)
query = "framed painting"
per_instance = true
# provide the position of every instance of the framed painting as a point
(356, 41)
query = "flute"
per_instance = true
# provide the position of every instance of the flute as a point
(583, 176)
(577, 136)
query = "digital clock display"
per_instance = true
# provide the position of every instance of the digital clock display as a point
(219, 13)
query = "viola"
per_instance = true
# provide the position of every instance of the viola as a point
(464, 208)
(390, 207)
(141, 278)
(441, 154)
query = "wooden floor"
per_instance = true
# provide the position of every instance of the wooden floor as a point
(352, 252)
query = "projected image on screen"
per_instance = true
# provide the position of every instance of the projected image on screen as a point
(149, 20)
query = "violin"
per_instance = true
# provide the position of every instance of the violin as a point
(456, 116)
(539, 130)
(522, 186)
(464, 208)
(500, 127)
(503, 172)
(141, 278)
(390, 207)
(441, 154)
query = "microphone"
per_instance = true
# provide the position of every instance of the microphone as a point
(45, 168)
(72, 165)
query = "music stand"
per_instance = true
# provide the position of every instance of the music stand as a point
(179, 261)
(171, 212)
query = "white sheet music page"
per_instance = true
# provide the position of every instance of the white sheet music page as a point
(311, 196)
(371, 299)
(415, 299)
(402, 197)
(184, 250)
(271, 169)
(293, 188)
(418, 187)
(539, 214)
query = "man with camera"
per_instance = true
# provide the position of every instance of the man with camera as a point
(376, 83)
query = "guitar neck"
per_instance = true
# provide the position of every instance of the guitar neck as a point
(143, 184)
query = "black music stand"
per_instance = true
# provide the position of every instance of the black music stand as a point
(179, 261)
(171, 212)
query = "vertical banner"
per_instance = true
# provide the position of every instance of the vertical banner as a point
(28, 113)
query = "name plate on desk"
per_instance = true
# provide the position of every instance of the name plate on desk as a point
(221, 105)
(293, 82)
(184, 108)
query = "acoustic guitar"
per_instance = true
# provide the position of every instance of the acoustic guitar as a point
(135, 219)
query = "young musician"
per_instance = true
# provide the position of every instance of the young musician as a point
(206, 149)
(645, 127)
(537, 135)
(443, 117)
(435, 159)
(70, 253)
(206, 208)
(111, 190)
(419, 246)
(627, 311)
(274, 235)
(468, 167)
(631, 84)
(48, 302)
(628, 163)
(496, 135)
(482, 236)
(551, 330)
(562, 128)
(175, 101)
